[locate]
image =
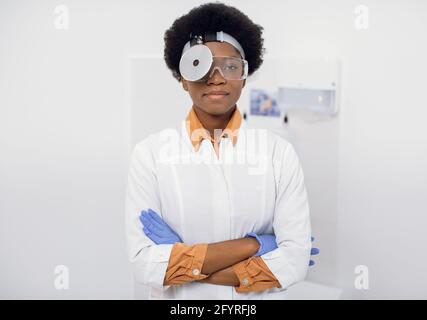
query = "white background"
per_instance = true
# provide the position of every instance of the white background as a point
(69, 116)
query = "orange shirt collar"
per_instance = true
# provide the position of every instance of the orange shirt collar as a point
(197, 132)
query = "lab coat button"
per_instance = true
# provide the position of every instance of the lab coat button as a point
(196, 272)
(245, 281)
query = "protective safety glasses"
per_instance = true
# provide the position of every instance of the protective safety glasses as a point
(198, 64)
(230, 68)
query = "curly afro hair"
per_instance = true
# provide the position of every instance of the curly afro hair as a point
(213, 17)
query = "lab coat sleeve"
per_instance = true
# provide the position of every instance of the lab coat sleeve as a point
(291, 224)
(149, 260)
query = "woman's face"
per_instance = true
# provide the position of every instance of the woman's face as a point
(202, 93)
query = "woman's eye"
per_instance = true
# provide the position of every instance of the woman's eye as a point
(231, 67)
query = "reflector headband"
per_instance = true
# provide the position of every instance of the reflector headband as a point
(213, 36)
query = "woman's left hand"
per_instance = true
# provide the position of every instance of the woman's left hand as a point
(156, 229)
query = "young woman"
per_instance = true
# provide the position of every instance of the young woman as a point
(215, 209)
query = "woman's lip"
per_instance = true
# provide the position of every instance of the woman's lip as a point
(215, 96)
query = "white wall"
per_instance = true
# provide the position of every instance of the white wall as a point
(66, 131)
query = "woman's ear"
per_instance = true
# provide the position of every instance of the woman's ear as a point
(184, 84)
(244, 83)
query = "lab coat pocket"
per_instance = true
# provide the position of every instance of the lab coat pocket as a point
(156, 294)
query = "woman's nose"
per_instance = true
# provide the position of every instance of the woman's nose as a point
(216, 76)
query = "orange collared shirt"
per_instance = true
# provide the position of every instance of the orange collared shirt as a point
(197, 132)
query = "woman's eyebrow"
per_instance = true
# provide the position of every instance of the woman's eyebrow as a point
(229, 55)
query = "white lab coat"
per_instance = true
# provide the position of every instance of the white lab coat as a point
(206, 199)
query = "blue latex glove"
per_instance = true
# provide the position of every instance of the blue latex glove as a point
(267, 242)
(156, 229)
(314, 251)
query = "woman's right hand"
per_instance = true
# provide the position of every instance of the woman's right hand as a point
(267, 242)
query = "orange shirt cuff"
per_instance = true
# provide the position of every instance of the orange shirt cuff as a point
(185, 264)
(254, 275)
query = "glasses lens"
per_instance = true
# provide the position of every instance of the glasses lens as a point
(231, 68)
